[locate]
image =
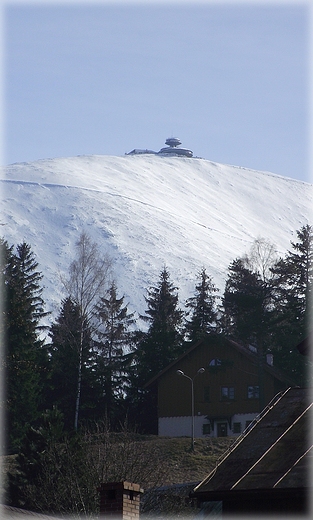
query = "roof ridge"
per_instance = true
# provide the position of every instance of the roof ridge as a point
(272, 445)
(247, 430)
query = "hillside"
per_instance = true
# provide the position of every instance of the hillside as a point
(166, 468)
(147, 212)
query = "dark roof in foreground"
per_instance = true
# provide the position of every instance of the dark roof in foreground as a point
(274, 454)
(12, 513)
(305, 346)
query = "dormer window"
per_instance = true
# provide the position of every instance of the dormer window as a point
(215, 362)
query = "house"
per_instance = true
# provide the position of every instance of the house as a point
(305, 346)
(232, 390)
(15, 513)
(267, 469)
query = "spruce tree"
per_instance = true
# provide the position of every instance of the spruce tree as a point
(246, 304)
(248, 313)
(64, 354)
(203, 309)
(25, 358)
(113, 346)
(268, 304)
(163, 341)
(293, 278)
(154, 349)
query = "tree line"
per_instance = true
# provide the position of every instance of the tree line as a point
(93, 363)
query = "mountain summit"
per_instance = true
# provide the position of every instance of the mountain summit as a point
(147, 211)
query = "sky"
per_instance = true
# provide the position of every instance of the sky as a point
(230, 79)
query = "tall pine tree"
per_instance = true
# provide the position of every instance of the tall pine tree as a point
(25, 358)
(248, 312)
(293, 279)
(163, 341)
(113, 345)
(202, 308)
(155, 349)
(246, 305)
(64, 355)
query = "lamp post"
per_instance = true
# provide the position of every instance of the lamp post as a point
(191, 379)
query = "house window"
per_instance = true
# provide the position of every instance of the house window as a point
(253, 392)
(237, 427)
(227, 392)
(206, 394)
(206, 429)
(215, 362)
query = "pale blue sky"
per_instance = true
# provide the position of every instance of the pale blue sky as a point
(231, 80)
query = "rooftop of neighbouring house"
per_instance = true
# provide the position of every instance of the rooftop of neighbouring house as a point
(276, 453)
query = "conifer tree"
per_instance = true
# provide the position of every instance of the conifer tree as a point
(293, 279)
(162, 343)
(113, 345)
(248, 312)
(245, 302)
(154, 349)
(202, 308)
(269, 304)
(64, 362)
(25, 358)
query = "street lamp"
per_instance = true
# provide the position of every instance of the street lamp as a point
(191, 379)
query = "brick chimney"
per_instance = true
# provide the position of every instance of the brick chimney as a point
(120, 500)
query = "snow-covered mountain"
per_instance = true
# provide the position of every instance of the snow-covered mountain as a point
(147, 211)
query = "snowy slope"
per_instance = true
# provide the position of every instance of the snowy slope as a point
(147, 212)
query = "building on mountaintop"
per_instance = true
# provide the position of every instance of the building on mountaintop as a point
(138, 151)
(172, 148)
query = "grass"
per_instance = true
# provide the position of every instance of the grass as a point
(166, 461)
(184, 466)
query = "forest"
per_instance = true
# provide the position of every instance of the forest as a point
(90, 367)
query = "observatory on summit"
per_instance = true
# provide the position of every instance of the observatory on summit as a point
(172, 148)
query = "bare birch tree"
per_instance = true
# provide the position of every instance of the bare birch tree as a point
(88, 280)
(261, 258)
